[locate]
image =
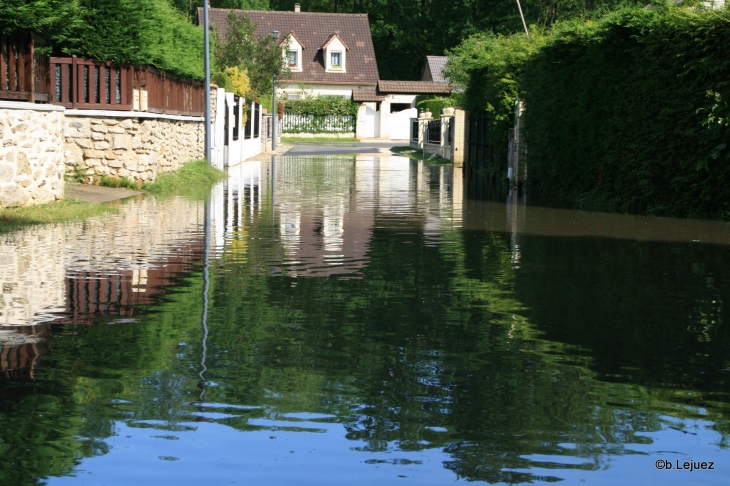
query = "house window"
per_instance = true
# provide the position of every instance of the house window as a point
(292, 59)
(336, 60)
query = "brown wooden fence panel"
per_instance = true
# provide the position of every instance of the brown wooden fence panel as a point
(92, 85)
(168, 93)
(23, 72)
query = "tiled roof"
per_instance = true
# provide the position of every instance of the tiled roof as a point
(331, 38)
(436, 65)
(283, 38)
(314, 29)
(414, 87)
(361, 95)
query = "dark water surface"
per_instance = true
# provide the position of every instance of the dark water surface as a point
(362, 321)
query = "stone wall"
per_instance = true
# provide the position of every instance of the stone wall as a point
(136, 147)
(31, 154)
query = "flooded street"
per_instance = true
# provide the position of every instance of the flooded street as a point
(363, 320)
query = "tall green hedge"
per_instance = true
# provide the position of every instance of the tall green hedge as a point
(630, 113)
(123, 31)
(627, 113)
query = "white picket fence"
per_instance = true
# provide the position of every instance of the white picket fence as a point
(317, 123)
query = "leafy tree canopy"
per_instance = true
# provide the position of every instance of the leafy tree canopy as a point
(259, 56)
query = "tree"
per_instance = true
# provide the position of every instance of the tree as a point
(190, 7)
(260, 56)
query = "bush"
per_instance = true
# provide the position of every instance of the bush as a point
(323, 105)
(435, 104)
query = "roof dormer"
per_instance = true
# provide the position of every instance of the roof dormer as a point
(334, 51)
(292, 50)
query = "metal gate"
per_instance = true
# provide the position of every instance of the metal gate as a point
(480, 148)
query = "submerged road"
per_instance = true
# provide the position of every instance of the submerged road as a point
(304, 148)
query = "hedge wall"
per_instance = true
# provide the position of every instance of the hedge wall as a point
(627, 113)
(631, 113)
(124, 31)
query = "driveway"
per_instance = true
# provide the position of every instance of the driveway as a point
(365, 147)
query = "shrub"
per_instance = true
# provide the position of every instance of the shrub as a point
(323, 105)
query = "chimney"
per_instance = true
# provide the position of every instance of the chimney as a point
(297, 8)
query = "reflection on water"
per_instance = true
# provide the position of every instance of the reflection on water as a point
(366, 323)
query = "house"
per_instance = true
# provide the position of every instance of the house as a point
(386, 110)
(433, 69)
(328, 54)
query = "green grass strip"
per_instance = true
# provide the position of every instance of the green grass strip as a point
(196, 176)
(412, 153)
(293, 140)
(63, 210)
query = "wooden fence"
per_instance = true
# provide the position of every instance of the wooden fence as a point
(23, 72)
(94, 85)
(91, 85)
(168, 93)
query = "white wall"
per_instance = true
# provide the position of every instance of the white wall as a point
(236, 151)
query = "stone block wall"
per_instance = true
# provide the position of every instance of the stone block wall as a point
(31, 155)
(133, 147)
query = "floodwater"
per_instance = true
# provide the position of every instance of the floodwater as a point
(363, 320)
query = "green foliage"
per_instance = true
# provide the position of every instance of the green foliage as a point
(323, 105)
(259, 56)
(122, 31)
(190, 7)
(222, 80)
(489, 67)
(630, 113)
(131, 32)
(56, 19)
(435, 104)
(412, 153)
(123, 182)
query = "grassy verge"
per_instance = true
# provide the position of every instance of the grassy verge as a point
(64, 210)
(193, 177)
(412, 153)
(292, 140)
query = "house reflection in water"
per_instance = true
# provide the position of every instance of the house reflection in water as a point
(326, 208)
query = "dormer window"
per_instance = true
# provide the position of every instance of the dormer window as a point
(292, 49)
(335, 54)
(336, 60)
(292, 59)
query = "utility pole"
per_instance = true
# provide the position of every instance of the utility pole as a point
(275, 35)
(522, 16)
(208, 144)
